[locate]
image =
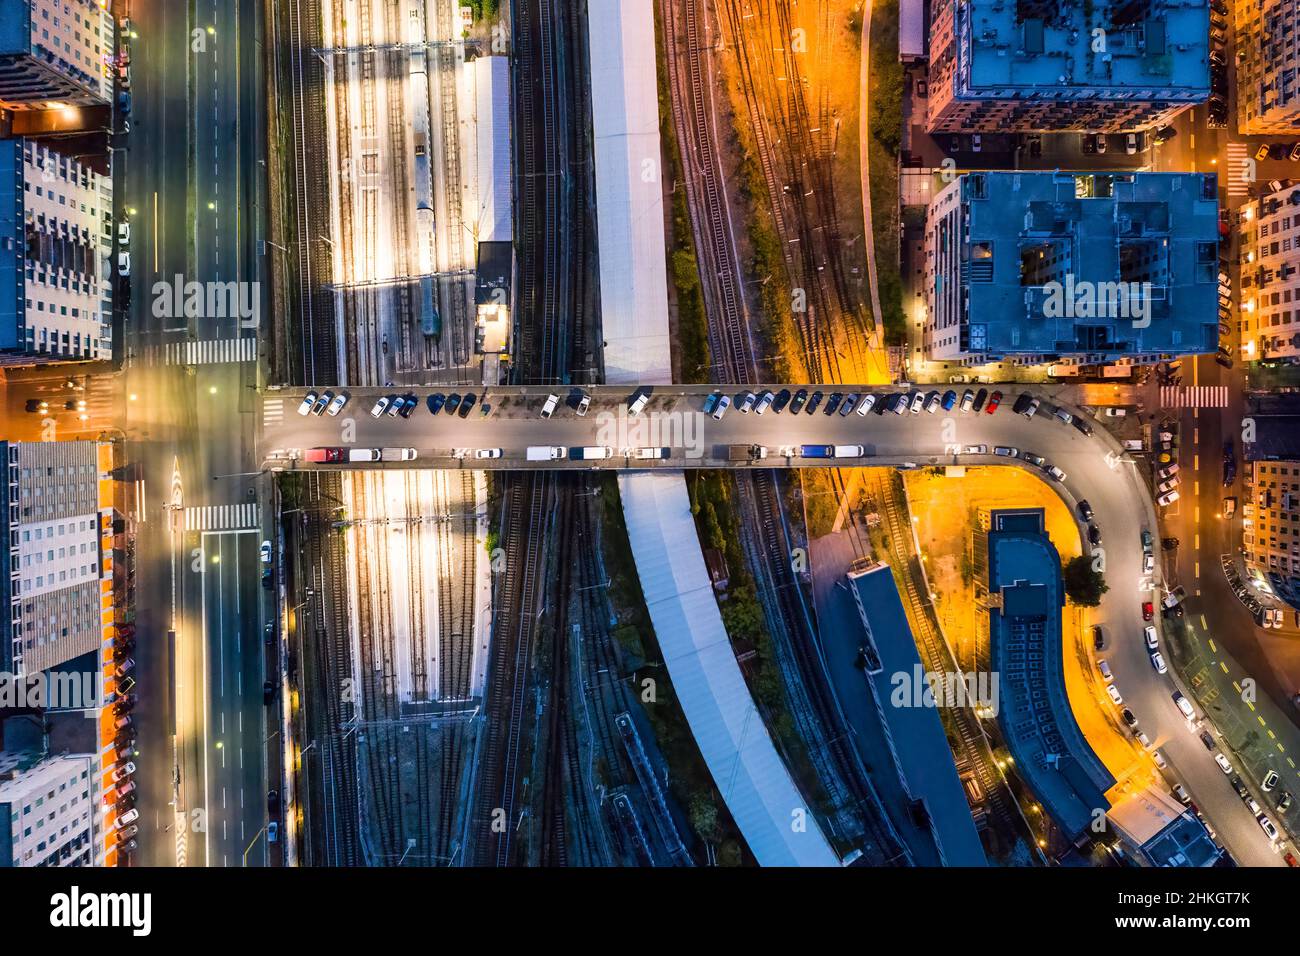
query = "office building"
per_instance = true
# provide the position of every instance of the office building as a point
(1271, 526)
(56, 585)
(49, 810)
(55, 53)
(56, 249)
(1026, 65)
(1079, 269)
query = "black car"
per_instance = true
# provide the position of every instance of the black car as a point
(408, 405)
(467, 403)
(436, 401)
(980, 398)
(1085, 510)
(1130, 718)
(1081, 425)
(1207, 740)
(781, 401)
(267, 581)
(268, 692)
(833, 403)
(453, 402)
(797, 402)
(1169, 544)
(273, 803)
(850, 402)
(1098, 638)
(813, 401)
(1094, 535)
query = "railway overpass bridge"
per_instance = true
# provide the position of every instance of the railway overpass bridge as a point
(1093, 467)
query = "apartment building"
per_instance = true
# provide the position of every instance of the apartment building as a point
(1046, 65)
(1075, 268)
(1269, 251)
(55, 255)
(1264, 37)
(49, 810)
(55, 52)
(56, 586)
(1271, 529)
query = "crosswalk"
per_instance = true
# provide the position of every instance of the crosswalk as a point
(1194, 396)
(208, 352)
(222, 517)
(272, 412)
(1240, 170)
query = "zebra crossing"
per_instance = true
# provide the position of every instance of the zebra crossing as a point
(272, 412)
(207, 352)
(223, 517)
(1193, 396)
(1240, 170)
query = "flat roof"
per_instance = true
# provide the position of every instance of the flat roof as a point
(1153, 50)
(629, 204)
(1025, 651)
(1117, 263)
(731, 735)
(916, 733)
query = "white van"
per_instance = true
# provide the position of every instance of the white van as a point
(363, 454)
(635, 406)
(848, 451)
(646, 454)
(590, 453)
(544, 452)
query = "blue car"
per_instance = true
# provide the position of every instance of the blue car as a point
(949, 400)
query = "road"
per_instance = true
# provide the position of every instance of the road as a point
(184, 181)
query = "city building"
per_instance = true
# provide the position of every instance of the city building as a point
(1018, 581)
(1025, 65)
(1074, 268)
(49, 810)
(1269, 256)
(1271, 526)
(1264, 39)
(1159, 831)
(55, 53)
(907, 703)
(56, 585)
(56, 248)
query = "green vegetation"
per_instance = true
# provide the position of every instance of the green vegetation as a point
(1084, 585)
(885, 132)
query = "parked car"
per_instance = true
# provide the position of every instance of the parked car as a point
(994, 401)
(308, 402)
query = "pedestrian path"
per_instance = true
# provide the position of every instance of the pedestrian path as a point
(1240, 170)
(208, 352)
(1193, 396)
(222, 518)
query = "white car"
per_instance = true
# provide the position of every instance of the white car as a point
(124, 264)
(265, 552)
(1223, 763)
(1269, 781)
(637, 404)
(1159, 758)
(975, 450)
(307, 404)
(1056, 473)
(724, 402)
(1113, 692)
(552, 402)
(746, 402)
(123, 233)
(867, 404)
(968, 401)
(1144, 740)
(1267, 826)
(1184, 705)
(129, 817)
(336, 406)
(1104, 667)
(918, 400)
(584, 403)
(1113, 412)
(1167, 486)
(1158, 662)
(488, 453)
(123, 771)
(764, 403)
(1167, 499)
(379, 408)
(1032, 408)
(1152, 643)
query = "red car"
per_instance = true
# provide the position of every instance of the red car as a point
(1148, 611)
(1291, 860)
(994, 400)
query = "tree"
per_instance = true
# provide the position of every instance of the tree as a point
(1084, 585)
